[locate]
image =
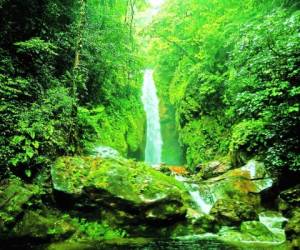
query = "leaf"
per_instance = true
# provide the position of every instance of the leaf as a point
(29, 152)
(17, 139)
(14, 161)
(28, 173)
(36, 144)
(31, 132)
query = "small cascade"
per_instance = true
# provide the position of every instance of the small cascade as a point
(204, 206)
(151, 107)
(197, 198)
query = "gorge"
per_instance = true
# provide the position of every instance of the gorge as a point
(149, 124)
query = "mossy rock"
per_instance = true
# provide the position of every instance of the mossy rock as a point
(15, 197)
(213, 169)
(249, 231)
(42, 227)
(194, 226)
(245, 184)
(256, 231)
(292, 228)
(123, 191)
(230, 212)
(289, 199)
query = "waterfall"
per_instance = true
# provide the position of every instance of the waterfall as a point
(151, 107)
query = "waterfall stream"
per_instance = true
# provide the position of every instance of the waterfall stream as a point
(154, 142)
(151, 107)
(202, 205)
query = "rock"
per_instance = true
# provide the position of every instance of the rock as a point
(173, 170)
(292, 228)
(106, 152)
(213, 169)
(256, 231)
(120, 191)
(273, 220)
(47, 227)
(186, 229)
(178, 170)
(289, 199)
(229, 212)
(245, 183)
(289, 203)
(14, 197)
(249, 231)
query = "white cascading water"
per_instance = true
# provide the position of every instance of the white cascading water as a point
(154, 139)
(197, 198)
(151, 107)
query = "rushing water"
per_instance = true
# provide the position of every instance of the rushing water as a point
(203, 206)
(151, 106)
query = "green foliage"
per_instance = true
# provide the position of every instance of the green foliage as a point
(96, 231)
(36, 46)
(112, 114)
(122, 130)
(42, 131)
(235, 64)
(57, 56)
(247, 138)
(264, 86)
(205, 140)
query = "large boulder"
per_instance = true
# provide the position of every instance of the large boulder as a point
(230, 212)
(245, 183)
(257, 231)
(267, 233)
(120, 191)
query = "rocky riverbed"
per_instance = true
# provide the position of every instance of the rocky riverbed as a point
(93, 202)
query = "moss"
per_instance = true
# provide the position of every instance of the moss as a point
(15, 197)
(123, 191)
(123, 131)
(293, 228)
(38, 226)
(93, 230)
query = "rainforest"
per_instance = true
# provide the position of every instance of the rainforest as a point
(149, 124)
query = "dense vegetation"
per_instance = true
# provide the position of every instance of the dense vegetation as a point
(70, 80)
(231, 69)
(227, 74)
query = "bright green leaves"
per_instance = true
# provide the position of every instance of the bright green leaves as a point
(205, 140)
(245, 78)
(122, 130)
(47, 128)
(247, 138)
(269, 53)
(36, 46)
(96, 231)
(17, 139)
